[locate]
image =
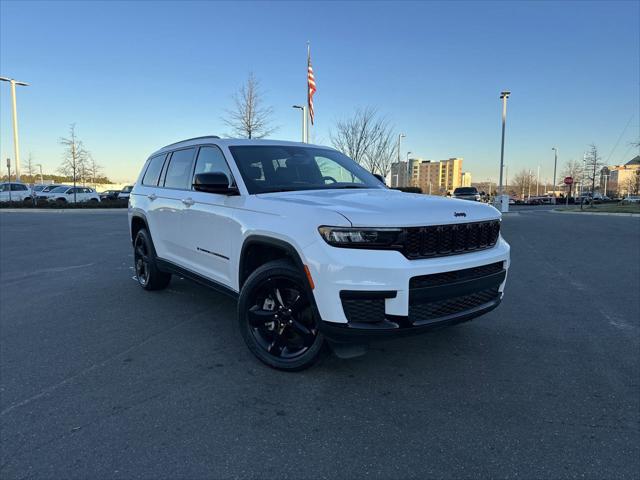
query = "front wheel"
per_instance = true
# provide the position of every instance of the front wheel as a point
(277, 318)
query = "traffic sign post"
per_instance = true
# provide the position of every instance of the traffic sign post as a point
(568, 181)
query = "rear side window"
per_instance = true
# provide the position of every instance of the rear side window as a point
(17, 187)
(152, 175)
(180, 168)
(210, 160)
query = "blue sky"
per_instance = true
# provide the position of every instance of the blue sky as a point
(134, 76)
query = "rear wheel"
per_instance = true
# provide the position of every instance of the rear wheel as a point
(144, 259)
(277, 319)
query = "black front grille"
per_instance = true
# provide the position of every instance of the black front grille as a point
(455, 276)
(443, 240)
(422, 312)
(363, 310)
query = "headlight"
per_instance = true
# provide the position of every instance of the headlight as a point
(361, 237)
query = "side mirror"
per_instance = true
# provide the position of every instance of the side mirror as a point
(214, 182)
(379, 177)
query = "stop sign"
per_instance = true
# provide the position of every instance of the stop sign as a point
(568, 180)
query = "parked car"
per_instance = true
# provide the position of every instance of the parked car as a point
(14, 192)
(467, 193)
(314, 248)
(109, 194)
(630, 199)
(73, 194)
(45, 192)
(125, 192)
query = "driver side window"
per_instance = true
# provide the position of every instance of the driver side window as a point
(210, 160)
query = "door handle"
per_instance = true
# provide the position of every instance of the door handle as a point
(152, 197)
(188, 201)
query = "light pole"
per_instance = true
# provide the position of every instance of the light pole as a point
(555, 166)
(303, 109)
(16, 143)
(9, 174)
(538, 182)
(40, 165)
(400, 137)
(503, 95)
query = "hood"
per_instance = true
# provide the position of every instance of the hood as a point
(388, 208)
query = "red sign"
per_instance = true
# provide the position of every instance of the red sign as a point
(568, 180)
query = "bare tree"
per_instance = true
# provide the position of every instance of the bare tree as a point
(250, 118)
(522, 182)
(368, 139)
(573, 169)
(94, 170)
(593, 164)
(74, 157)
(30, 167)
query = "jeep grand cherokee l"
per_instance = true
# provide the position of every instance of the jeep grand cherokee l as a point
(314, 247)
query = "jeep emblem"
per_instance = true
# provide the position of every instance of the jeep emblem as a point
(459, 214)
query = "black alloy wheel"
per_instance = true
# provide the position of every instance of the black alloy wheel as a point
(148, 275)
(277, 318)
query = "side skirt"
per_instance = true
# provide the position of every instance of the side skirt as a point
(170, 267)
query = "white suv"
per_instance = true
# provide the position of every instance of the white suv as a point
(312, 245)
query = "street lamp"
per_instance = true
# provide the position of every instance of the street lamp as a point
(400, 137)
(16, 144)
(555, 165)
(303, 109)
(503, 95)
(40, 165)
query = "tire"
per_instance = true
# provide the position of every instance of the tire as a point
(277, 318)
(93, 200)
(148, 275)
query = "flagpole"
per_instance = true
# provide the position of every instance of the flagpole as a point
(307, 119)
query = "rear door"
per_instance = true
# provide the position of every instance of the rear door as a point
(167, 208)
(209, 227)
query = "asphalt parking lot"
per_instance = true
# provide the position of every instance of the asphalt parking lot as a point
(100, 379)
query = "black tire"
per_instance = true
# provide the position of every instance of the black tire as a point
(277, 318)
(93, 200)
(144, 262)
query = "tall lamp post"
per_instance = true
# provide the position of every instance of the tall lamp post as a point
(16, 143)
(555, 166)
(40, 165)
(503, 95)
(303, 109)
(400, 137)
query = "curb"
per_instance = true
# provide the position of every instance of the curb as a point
(62, 210)
(610, 214)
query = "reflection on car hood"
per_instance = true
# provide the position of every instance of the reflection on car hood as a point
(385, 207)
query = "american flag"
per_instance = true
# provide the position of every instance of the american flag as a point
(311, 83)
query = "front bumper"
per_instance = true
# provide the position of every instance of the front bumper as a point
(374, 293)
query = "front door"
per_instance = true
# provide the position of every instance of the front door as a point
(209, 224)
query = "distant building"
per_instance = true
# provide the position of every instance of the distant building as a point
(622, 179)
(436, 178)
(466, 179)
(399, 174)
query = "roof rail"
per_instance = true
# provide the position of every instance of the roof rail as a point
(189, 139)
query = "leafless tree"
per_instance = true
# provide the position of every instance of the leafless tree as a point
(368, 139)
(522, 182)
(593, 165)
(94, 170)
(30, 167)
(74, 157)
(249, 117)
(573, 169)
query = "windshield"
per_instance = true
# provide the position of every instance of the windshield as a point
(59, 190)
(465, 191)
(282, 168)
(127, 189)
